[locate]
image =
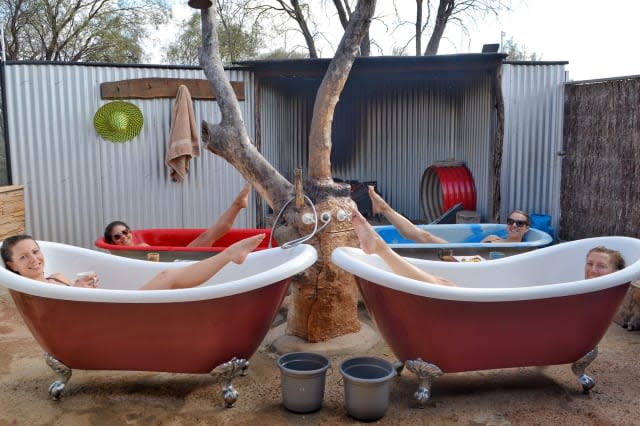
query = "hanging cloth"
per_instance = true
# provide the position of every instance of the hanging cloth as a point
(183, 139)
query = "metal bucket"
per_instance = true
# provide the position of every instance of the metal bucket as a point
(367, 382)
(302, 375)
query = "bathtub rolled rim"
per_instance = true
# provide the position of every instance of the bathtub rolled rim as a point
(351, 260)
(537, 237)
(304, 255)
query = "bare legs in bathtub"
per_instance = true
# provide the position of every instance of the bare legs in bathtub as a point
(404, 226)
(371, 243)
(224, 222)
(197, 273)
(22, 255)
(119, 233)
(517, 224)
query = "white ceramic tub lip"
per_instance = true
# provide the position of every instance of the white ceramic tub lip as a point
(297, 260)
(541, 238)
(355, 261)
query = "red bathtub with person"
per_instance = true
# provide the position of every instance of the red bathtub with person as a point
(171, 243)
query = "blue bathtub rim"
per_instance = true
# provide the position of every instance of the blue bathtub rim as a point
(534, 238)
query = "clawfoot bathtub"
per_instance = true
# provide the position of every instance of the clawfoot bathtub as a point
(532, 309)
(213, 328)
(171, 243)
(463, 239)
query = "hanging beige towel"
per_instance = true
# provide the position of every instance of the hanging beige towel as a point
(183, 139)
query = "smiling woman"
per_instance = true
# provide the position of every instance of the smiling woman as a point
(517, 227)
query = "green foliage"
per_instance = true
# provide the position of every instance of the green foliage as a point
(518, 53)
(79, 30)
(236, 42)
(281, 53)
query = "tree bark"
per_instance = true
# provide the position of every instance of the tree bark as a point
(445, 9)
(331, 87)
(229, 138)
(324, 297)
(325, 306)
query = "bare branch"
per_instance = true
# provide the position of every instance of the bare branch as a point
(229, 138)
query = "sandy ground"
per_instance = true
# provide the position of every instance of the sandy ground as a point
(522, 396)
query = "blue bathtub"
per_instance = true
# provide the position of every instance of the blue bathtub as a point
(464, 240)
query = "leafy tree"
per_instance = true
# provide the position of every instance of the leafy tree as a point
(281, 53)
(518, 53)
(79, 30)
(239, 33)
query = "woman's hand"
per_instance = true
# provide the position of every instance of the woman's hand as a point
(86, 279)
(491, 239)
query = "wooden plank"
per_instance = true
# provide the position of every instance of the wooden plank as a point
(11, 211)
(153, 88)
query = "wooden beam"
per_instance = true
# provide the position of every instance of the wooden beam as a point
(152, 88)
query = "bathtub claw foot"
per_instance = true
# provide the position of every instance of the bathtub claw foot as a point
(63, 372)
(231, 369)
(426, 373)
(580, 366)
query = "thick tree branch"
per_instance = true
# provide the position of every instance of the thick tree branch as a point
(330, 89)
(229, 138)
(445, 10)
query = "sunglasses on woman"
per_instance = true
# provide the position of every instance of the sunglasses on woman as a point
(517, 223)
(119, 235)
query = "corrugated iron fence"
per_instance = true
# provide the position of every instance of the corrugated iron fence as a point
(75, 182)
(601, 167)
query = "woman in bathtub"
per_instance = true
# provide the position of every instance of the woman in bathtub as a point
(517, 224)
(119, 233)
(600, 260)
(22, 255)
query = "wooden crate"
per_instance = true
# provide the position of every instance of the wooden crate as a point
(11, 210)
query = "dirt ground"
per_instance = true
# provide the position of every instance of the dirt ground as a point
(519, 396)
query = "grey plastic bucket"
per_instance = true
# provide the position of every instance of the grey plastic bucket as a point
(302, 375)
(367, 382)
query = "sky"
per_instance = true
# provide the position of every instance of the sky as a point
(597, 38)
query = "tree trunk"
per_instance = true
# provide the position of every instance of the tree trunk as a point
(324, 298)
(329, 308)
(445, 9)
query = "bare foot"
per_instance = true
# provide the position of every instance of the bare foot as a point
(242, 199)
(370, 241)
(378, 204)
(238, 251)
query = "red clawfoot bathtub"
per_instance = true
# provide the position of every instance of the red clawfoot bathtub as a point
(171, 243)
(532, 309)
(212, 328)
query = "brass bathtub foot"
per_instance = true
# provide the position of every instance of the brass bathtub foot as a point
(580, 365)
(64, 372)
(426, 373)
(231, 369)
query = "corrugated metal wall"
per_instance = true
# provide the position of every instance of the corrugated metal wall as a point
(75, 182)
(391, 134)
(531, 164)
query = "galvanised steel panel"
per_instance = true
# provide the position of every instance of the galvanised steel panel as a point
(531, 163)
(76, 182)
(389, 134)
